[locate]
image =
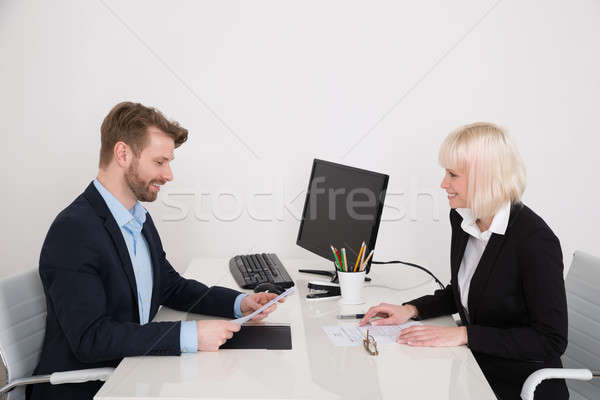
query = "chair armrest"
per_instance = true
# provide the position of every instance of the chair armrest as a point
(81, 375)
(23, 382)
(552, 373)
(77, 376)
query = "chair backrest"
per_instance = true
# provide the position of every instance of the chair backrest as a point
(22, 325)
(583, 299)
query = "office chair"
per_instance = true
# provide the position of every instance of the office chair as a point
(22, 327)
(583, 351)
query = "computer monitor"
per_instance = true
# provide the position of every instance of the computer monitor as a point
(343, 208)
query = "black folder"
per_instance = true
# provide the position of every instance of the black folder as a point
(270, 337)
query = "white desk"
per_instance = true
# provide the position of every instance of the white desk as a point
(314, 368)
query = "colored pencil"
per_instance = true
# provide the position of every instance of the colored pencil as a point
(336, 259)
(364, 264)
(362, 259)
(339, 258)
(358, 256)
(345, 261)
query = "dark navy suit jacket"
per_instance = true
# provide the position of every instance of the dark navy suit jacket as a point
(92, 308)
(517, 304)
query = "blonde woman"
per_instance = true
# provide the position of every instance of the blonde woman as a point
(506, 270)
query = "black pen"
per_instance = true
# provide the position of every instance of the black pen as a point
(350, 316)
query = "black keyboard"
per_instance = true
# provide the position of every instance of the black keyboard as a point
(253, 269)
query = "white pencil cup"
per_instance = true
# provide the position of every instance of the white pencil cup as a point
(351, 284)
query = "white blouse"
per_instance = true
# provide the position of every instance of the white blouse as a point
(475, 247)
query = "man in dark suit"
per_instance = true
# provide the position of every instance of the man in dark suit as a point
(104, 270)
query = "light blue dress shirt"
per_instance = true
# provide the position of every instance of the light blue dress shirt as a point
(131, 223)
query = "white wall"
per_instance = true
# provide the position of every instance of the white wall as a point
(266, 86)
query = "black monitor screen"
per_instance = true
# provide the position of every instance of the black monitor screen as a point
(343, 208)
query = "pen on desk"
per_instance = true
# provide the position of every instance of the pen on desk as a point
(350, 316)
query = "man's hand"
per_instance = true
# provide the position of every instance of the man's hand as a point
(255, 301)
(433, 336)
(213, 334)
(390, 313)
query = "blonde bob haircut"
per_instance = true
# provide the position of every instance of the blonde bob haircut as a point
(495, 171)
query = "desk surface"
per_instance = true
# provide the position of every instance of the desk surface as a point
(314, 368)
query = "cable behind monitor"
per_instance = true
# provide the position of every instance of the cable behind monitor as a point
(411, 265)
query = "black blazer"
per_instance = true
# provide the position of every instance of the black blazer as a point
(91, 296)
(517, 304)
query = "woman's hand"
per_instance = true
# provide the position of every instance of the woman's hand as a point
(391, 314)
(433, 336)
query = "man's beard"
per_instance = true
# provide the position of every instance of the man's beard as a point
(140, 189)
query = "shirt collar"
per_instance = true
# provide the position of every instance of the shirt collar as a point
(500, 221)
(498, 225)
(123, 216)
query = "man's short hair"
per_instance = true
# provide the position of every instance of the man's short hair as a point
(129, 122)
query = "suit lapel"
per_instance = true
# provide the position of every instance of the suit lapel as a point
(116, 235)
(460, 239)
(459, 243)
(487, 262)
(482, 273)
(154, 302)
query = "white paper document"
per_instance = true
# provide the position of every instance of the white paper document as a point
(353, 335)
(248, 317)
